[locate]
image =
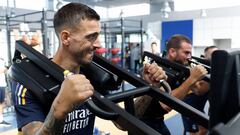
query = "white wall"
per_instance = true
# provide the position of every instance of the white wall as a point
(205, 30)
(220, 23)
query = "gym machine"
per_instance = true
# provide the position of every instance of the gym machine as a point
(224, 83)
(36, 69)
(225, 93)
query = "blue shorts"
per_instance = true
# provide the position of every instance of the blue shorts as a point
(197, 102)
(2, 94)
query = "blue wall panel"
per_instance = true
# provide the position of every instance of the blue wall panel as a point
(176, 27)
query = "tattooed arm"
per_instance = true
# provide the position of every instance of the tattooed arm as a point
(152, 73)
(51, 126)
(141, 104)
(75, 89)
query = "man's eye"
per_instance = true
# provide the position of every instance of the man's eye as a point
(92, 37)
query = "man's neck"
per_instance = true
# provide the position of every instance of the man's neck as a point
(66, 62)
(169, 58)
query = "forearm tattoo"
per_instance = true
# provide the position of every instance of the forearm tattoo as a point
(141, 105)
(52, 126)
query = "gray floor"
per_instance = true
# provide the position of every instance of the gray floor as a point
(10, 117)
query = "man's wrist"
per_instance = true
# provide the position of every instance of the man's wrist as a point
(191, 80)
(59, 111)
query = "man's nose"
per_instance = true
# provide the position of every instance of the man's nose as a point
(97, 43)
(189, 56)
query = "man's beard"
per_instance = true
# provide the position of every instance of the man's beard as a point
(84, 58)
(182, 63)
(84, 62)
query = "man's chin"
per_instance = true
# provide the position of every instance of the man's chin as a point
(186, 64)
(86, 62)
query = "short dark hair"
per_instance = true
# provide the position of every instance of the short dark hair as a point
(72, 14)
(209, 47)
(176, 40)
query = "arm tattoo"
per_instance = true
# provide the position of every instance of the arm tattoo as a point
(141, 105)
(52, 126)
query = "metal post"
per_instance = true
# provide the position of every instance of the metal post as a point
(44, 33)
(8, 32)
(129, 107)
(123, 41)
(105, 39)
(141, 33)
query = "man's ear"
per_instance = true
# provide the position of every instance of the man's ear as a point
(172, 53)
(64, 36)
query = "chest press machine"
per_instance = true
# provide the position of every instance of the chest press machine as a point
(43, 78)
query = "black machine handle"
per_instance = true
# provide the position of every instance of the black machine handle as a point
(202, 61)
(98, 111)
(166, 86)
